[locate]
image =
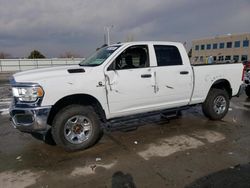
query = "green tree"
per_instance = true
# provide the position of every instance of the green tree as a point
(35, 54)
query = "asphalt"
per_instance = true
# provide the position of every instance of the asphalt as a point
(190, 151)
(4, 77)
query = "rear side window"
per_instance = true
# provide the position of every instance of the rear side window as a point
(167, 55)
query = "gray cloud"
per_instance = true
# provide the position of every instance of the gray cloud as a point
(78, 25)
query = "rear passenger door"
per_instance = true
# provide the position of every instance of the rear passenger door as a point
(173, 77)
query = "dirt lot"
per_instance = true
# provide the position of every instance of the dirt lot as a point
(190, 151)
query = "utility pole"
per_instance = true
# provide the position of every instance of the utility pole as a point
(105, 39)
(108, 28)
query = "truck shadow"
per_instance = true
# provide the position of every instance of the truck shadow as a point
(237, 176)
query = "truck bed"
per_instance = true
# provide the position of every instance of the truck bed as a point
(206, 74)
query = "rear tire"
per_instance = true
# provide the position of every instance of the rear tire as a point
(247, 90)
(216, 104)
(76, 127)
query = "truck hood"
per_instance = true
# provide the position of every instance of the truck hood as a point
(38, 75)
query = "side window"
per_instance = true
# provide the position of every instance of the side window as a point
(131, 58)
(167, 55)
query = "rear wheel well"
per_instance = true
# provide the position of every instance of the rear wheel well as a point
(223, 84)
(82, 99)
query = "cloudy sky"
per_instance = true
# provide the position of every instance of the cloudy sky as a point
(56, 26)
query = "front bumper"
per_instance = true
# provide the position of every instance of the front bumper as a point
(30, 119)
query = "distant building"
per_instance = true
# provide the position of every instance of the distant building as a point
(226, 48)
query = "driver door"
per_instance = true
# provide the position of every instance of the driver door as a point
(129, 82)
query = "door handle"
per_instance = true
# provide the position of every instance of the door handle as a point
(146, 75)
(184, 72)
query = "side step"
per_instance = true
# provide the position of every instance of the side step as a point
(130, 123)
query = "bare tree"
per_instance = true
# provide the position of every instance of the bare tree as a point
(129, 38)
(190, 53)
(4, 55)
(69, 54)
(104, 45)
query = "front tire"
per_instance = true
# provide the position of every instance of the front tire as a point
(216, 104)
(247, 90)
(76, 127)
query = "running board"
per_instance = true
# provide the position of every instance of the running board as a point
(129, 123)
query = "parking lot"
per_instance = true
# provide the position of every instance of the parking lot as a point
(186, 152)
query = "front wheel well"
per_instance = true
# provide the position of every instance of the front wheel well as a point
(82, 99)
(223, 84)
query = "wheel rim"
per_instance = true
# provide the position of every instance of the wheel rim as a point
(220, 104)
(77, 129)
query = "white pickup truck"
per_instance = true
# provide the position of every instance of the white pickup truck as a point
(117, 81)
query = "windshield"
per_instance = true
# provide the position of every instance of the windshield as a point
(99, 56)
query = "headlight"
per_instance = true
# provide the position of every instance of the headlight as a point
(27, 94)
